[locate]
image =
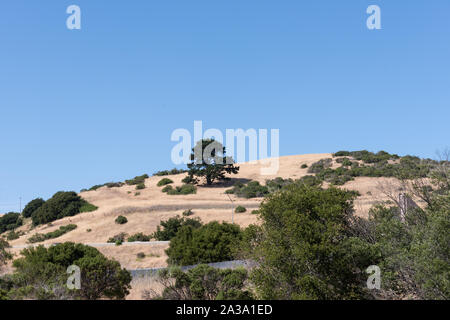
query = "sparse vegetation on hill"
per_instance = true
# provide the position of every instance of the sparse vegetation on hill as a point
(212, 242)
(183, 190)
(140, 186)
(137, 180)
(118, 238)
(108, 184)
(240, 209)
(39, 237)
(169, 228)
(169, 172)
(164, 182)
(139, 237)
(250, 190)
(381, 164)
(62, 204)
(13, 235)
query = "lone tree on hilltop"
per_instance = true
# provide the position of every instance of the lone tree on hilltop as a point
(209, 160)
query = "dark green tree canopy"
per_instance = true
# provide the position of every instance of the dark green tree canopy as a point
(209, 161)
(32, 206)
(10, 221)
(62, 204)
(41, 273)
(212, 242)
(305, 248)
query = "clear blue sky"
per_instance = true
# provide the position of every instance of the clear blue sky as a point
(88, 106)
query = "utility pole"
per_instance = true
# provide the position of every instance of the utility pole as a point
(232, 209)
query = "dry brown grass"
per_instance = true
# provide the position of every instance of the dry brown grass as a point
(145, 212)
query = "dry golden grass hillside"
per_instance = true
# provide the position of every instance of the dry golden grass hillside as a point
(145, 211)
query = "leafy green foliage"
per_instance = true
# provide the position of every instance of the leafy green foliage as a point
(183, 190)
(32, 206)
(137, 180)
(140, 186)
(164, 182)
(139, 237)
(121, 220)
(62, 204)
(87, 207)
(39, 237)
(41, 273)
(320, 165)
(169, 172)
(240, 209)
(13, 235)
(108, 184)
(250, 190)
(374, 165)
(118, 238)
(172, 226)
(203, 283)
(10, 221)
(212, 242)
(188, 213)
(305, 248)
(209, 161)
(4, 254)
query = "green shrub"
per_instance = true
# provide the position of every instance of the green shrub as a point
(140, 255)
(42, 273)
(13, 235)
(304, 166)
(240, 209)
(172, 226)
(87, 207)
(32, 206)
(10, 221)
(118, 238)
(320, 165)
(137, 180)
(183, 190)
(88, 230)
(121, 220)
(39, 237)
(140, 186)
(188, 213)
(189, 180)
(139, 237)
(212, 242)
(62, 204)
(277, 184)
(169, 172)
(251, 190)
(203, 283)
(137, 194)
(164, 182)
(4, 254)
(166, 189)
